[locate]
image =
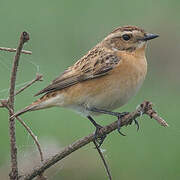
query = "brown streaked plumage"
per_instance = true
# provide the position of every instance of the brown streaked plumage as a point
(104, 79)
(98, 62)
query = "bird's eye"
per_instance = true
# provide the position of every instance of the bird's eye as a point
(126, 37)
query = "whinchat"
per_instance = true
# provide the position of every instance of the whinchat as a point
(102, 80)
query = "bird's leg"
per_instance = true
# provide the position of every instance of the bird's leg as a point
(98, 127)
(118, 115)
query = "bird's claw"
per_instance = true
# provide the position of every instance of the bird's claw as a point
(120, 116)
(136, 123)
(99, 139)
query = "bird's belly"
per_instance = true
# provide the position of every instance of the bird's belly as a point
(115, 97)
(112, 96)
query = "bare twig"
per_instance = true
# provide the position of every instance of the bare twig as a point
(153, 114)
(104, 161)
(14, 50)
(144, 108)
(33, 136)
(38, 78)
(14, 168)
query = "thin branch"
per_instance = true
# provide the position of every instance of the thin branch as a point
(14, 50)
(144, 108)
(104, 161)
(38, 78)
(33, 136)
(14, 167)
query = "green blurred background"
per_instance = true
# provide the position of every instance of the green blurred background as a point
(63, 31)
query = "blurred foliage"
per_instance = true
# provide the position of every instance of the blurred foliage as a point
(61, 32)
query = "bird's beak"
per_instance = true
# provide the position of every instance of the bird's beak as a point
(149, 36)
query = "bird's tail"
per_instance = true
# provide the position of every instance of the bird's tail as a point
(46, 101)
(32, 107)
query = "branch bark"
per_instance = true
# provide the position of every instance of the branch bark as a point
(14, 168)
(14, 50)
(144, 108)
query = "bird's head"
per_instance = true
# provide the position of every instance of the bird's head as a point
(128, 38)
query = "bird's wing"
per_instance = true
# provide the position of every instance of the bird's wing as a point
(96, 63)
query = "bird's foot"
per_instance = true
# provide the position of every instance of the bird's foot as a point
(120, 116)
(99, 138)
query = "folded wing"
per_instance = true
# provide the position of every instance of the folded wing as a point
(95, 64)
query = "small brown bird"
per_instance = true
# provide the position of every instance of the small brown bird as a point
(102, 80)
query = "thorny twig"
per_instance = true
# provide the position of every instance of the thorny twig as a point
(14, 50)
(103, 159)
(144, 108)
